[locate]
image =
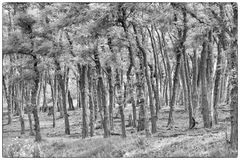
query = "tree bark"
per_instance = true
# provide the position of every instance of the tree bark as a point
(194, 83)
(83, 100)
(34, 90)
(101, 93)
(7, 95)
(63, 93)
(234, 80)
(150, 93)
(216, 86)
(205, 105)
(91, 116)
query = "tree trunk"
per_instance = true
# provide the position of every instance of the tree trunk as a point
(70, 102)
(101, 93)
(63, 93)
(53, 84)
(19, 91)
(179, 48)
(234, 80)
(205, 106)
(83, 100)
(156, 73)
(34, 102)
(188, 84)
(7, 95)
(91, 116)
(111, 96)
(44, 106)
(183, 78)
(216, 86)
(29, 108)
(150, 93)
(194, 83)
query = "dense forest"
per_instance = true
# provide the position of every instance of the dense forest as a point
(116, 75)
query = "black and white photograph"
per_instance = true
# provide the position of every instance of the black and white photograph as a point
(119, 79)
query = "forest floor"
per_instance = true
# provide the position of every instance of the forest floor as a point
(177, 142)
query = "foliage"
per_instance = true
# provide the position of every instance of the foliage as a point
(21, 149)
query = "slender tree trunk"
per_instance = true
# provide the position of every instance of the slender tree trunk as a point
(44, 106)
(183, 78)
(8, 101)
(91, 116)
(19, 91)
(29, 108)
(209, 73)
(39, 90)
(95, 95)
(194, 83)
(216, 86)
(53, 84)
(111, 96)
(84, 102)
(188, 84)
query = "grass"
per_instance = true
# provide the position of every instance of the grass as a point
(178, 142)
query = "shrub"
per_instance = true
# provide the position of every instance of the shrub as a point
(22, 149)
